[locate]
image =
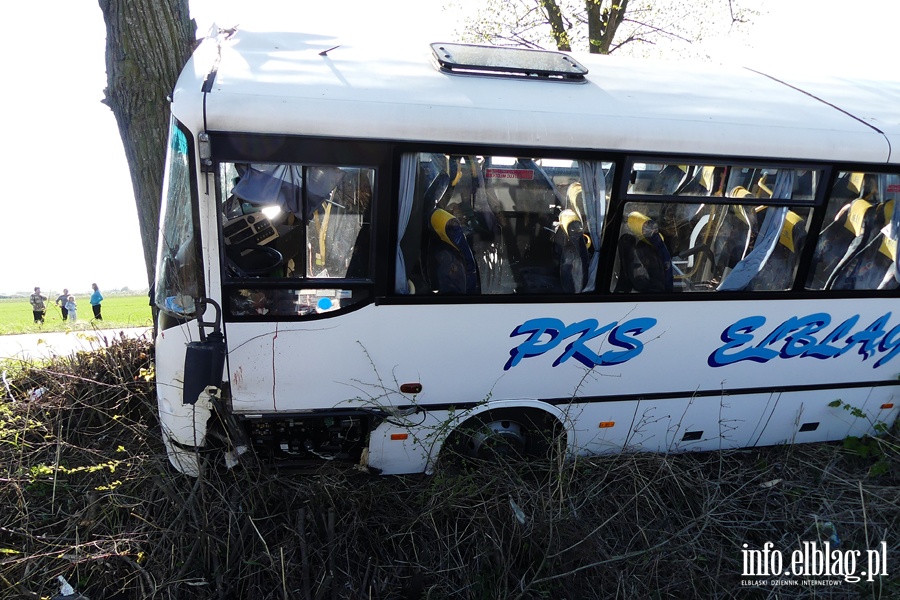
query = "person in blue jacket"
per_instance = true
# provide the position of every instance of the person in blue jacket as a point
(96, 299)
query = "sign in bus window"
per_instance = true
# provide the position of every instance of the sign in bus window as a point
(479, 225)
(857, 248)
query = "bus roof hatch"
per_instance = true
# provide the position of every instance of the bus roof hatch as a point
(469, 59)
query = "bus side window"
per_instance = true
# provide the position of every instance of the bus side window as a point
(306, 224)
(669, 244)
(491, 225)
(857, 248)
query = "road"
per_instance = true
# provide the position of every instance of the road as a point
(44, 345)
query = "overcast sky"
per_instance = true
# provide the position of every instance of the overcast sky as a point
(68, 207)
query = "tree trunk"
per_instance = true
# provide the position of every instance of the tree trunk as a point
(595, 25)
(557, 26)
(613, 19)
(147, 44)
(603, 23)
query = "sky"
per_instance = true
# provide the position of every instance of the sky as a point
(68, 211)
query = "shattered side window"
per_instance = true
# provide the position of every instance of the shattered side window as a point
(178, 261)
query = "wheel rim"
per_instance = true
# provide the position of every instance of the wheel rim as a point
(501, 438)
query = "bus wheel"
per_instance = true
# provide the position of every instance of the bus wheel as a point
(503, 435)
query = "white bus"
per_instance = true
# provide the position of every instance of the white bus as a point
(369, 256)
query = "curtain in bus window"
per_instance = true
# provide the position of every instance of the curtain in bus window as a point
(769, 234)
(593, 183)
(408, 166)
(488, 245)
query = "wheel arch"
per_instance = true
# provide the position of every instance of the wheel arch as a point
(534, 410)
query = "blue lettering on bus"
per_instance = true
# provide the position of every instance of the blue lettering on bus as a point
(547, 333)
(809, 336)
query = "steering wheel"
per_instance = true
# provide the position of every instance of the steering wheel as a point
(252, 261)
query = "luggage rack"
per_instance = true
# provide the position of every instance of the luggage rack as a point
(519, 63)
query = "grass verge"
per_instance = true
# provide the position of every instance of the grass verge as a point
(88, 495)
(118, 312)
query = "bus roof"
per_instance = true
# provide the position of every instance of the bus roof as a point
(296, 83)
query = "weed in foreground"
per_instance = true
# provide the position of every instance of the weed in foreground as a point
(89, 495)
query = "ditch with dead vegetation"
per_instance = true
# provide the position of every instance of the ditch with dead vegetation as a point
(88, 495)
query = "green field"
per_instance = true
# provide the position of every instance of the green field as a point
(118, 311)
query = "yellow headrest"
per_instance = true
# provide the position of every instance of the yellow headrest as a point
(888, 210)
(855, 216)
(787, 230)
(739, 192)
(641, 226)
(454, 170)
(888, 247)
(575, 197)
(706, 178)
(855, 182)
(567, 217)
(573, 193)
(440, 219)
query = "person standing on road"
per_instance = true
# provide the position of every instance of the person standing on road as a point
(72, 309)
(61, 303)
(96, 299)
(37, 305)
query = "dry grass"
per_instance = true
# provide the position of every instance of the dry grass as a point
(88, 494)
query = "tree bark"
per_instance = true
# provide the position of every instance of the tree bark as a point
(147, 44)
(613, 19)
(557, 26)
(603, 23)
(595, 25)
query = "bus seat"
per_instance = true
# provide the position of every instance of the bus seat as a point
(645, 262)
(438, 191)
(701, 182)
(571, 247)
(734, 236)
(875, 266)
(852, 228)
(452, 266)
(739, 192)
(778, 272)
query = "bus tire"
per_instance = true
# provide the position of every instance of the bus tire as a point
(509, 434)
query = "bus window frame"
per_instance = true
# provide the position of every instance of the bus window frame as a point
(391, 297)
(231, 147)
(621, 196)
(166, 318)
(836, 169)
